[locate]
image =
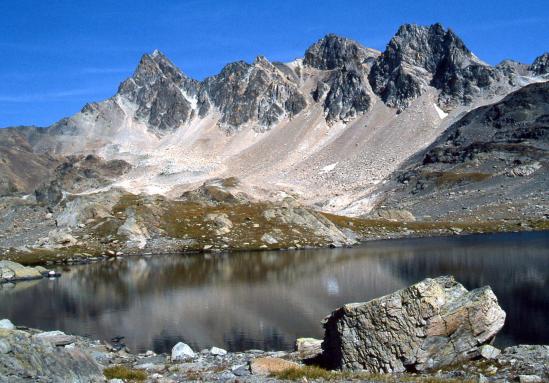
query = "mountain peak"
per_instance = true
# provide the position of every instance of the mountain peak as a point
(333, 51)
(421, 56)
(540, 66)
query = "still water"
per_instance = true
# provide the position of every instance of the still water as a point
(266, 299)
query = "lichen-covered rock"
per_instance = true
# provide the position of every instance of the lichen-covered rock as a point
(26, 358)
(431, 324)
(308, 348)
(12, 271)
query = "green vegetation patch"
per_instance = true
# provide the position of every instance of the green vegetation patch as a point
(124, 373)
(318, 373)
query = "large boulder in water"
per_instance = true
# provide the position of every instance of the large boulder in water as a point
(431, 324)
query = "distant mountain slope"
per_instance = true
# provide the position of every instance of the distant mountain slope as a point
(327, 128)
(493, 161)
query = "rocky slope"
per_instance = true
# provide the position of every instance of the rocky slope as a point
(491, 161)
(329, 130)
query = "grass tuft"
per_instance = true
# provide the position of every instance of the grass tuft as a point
(124, 373)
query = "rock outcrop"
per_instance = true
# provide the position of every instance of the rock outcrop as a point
(540, 66)
(418, 57)
(165, 97)
(44, 357)
(259, 92)
(13, 272)
(431, 324)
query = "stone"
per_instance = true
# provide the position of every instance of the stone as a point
(13, 271)
(268, 238)
(308, 348)
(32, 360)
(399, 215)
(182, 351)
(489, 352)
(529, 379)
(57, 338)
(267, 366)
(6, 324)
(221, 221)
(218, 351)
(5, 347)
(241, 370)
(431, 324)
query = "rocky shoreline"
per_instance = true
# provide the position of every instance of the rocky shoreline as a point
(459, 351)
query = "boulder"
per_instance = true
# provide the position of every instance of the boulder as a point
(31, 360)
(399, 215)
(308, 348)
(182, 351)
(12, 271)
(218, 351)
(430, 324)
(6, 324)
(489, 352)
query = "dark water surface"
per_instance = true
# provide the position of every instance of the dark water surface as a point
(267, 299)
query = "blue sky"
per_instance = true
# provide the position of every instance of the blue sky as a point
(57, 55)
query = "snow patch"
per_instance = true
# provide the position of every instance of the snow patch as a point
(442, 114)
(329, 168)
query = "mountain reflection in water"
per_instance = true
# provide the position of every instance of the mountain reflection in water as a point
(267, 299)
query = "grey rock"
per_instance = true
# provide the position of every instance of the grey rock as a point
(50, 194)
(344, 95)
(37, 361)
(257, 93)
(5, 347)
(218, 351)
(241, 370)
(163, 94)
(528, 359)
(489, 352)
(529, 379)
(332, 52)
(540, 66)
(431, 324)
(308, 348)
(418, 56)
(6, 324)
(182, 351)
(56, 338)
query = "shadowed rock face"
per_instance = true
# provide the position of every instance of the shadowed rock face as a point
(257, 92)
(165, 97)
(519, 120)
(540, 66)
(333, 52)
(344, 95)
(431, 324)
(418, 56)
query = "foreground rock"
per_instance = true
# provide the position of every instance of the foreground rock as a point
(13, 271)
(431, 324)
(36, 358)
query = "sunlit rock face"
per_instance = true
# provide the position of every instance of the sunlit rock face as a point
(431, 324)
